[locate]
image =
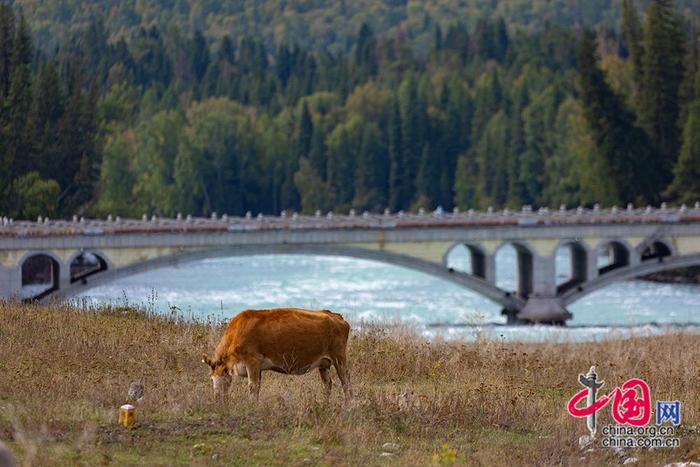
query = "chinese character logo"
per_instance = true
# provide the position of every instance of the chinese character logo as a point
(630, 403)
(668, 411)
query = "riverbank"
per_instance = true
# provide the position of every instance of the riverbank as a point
(676, 276)
(64, 372)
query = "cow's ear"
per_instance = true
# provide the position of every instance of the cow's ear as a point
(207, 360)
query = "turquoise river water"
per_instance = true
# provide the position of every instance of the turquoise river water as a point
(365, 291)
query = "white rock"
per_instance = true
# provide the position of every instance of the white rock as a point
(390, 447)
(387, 454)
(585, 441)
(136, 392)
(630, 460)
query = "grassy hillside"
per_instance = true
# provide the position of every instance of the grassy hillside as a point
(331, 24)
(65, 372)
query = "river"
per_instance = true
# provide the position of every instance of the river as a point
(366, 292)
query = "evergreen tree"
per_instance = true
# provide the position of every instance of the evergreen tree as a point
(47, 110)
(371, 171)
(428, 179)
(19, 141)
(685, 187)
(304, 132)
(413, 133)
(7, 39)
(633, 39)
(662, 64)
(199, 55)
(624, 147)
(365, 61)
(396, 173)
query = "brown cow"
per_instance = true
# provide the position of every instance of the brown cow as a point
(286, 340)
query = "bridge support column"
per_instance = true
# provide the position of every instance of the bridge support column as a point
(592, 266)
(542, 304)
(490, 269)
(63, 276)
(5, 283)
(10, 282)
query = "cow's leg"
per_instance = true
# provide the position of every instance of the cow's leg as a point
(341, 367)
(327, 381)
(254, 376)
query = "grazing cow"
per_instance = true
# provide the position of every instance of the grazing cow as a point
(286, 340)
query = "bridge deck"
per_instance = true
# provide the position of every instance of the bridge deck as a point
(543, 217)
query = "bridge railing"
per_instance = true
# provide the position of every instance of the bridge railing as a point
(526, 216)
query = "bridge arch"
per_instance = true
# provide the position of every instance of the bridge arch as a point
(655, 249)
(41, 269)
(578, 263)
(85, 263)
(629, 272)
(524, 266)
(619, 251)
(490, 291)
(477, 258)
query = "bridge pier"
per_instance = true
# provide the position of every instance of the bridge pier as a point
(542, 304)
(549, 310)
(6, 284)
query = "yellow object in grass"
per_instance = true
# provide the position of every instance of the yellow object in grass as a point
(127, 415)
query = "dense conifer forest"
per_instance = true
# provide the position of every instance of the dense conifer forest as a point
(228, 107)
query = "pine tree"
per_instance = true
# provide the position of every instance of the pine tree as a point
(632, 35)
(7, 39)
(501, 40)
(428, 178)
(18, 104)
(623, 146)
(396, 172)
(304, 132)
(45, 116)
(413, 133)
(685, 187)
(317, 151)
(199, 55)
(662, 64)
(484, 40)
(371, 171)
(365, 62)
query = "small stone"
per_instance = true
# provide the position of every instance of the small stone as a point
(589, 450)
(585, 441)
(630, 460)
(390, 447)
(136, 392)
(387, 454)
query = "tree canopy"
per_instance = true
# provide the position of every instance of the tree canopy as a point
(136, 110)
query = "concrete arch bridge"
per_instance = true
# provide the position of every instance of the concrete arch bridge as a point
(61, 258)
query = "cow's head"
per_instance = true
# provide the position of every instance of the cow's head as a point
(220, 376)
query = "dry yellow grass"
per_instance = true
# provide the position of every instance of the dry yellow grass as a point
(64, 372)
